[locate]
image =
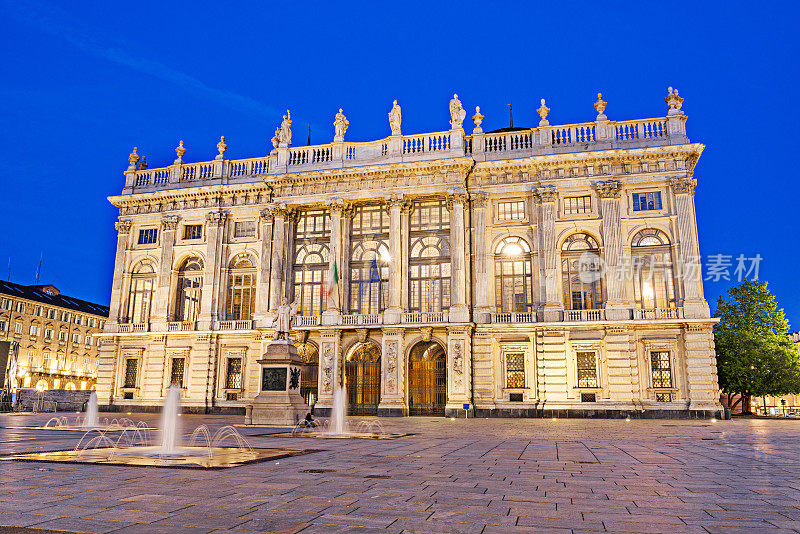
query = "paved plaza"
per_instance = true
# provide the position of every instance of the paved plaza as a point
(470, 476)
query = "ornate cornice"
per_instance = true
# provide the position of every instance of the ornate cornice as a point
(608, 188)
(683, 185)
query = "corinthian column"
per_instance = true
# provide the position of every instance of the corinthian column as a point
(331, 315)
(458, 276)
(117, 298)
(694, 304)
(553, 307)
(394, 310)
(262, 291)
(616, 305)
(479, 261)
(280, 213)
(215, 223)
(159, 317)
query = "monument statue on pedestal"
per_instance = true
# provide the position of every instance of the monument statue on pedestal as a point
(340, 124)
(279, 401)
(395, 118)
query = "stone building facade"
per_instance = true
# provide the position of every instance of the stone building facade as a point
(524, 271)
(54, 334)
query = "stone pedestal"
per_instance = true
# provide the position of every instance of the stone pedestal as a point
(279, 401)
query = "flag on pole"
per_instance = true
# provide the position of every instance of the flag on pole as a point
(331, 288)
(374, 273)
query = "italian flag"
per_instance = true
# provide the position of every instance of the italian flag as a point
(331, 288)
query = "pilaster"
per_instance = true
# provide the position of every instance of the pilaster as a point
(694, 304)
(393, 368)
(394, 310)
(330, 370)
(479, 261)
(215, 223)
(553, 307)
(459, 369)
(459, 312)
(266, 220)
(159, 318)
(616, 304)
(331, 315)
(117, 298)
(700, 366)
(277, 264)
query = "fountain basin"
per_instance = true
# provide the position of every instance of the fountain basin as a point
(186, 457)
(322, 434)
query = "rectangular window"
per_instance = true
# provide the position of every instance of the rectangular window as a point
(92, 322)
(6, 304)
(48, 333)
(647, 201)
(51, 313)
(588, 397)
(660, 366)
(511, 211)
(62, 335)
(663, 397)
(244, 229)
(193, 231)
(233, 378)
(587, 369)
(38, 311)
(148, 236)
(78, 319)
(176, 376)
(131, 367)
(34, 330)
(577, 205)
(18, 327)
(515, 369)
(88, 340)
(76, 338)
(3, 326)
(21, 307)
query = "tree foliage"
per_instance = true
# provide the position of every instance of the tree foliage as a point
(754, 354)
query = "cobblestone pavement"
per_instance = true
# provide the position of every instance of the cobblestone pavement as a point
(470, 476)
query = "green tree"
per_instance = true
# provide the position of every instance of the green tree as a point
(754, 354)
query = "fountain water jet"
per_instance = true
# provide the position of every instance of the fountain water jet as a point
(337, 426)
(169, 426)
(92, 418)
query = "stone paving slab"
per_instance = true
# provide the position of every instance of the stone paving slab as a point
(464, 476)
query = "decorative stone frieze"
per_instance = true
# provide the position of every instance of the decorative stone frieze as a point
(608, 188)
(123, 227)
(683, 185)
(170, 222)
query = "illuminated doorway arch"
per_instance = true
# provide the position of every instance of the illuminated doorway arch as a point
(427, 379)
(363, 378)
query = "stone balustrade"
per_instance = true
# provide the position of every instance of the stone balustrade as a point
(516, 143)
(416, 318)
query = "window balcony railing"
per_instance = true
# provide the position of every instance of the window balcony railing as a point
(425, 317)
(181, 326)
(514, 317)
(658, 313)
(235, 325)
(585, 315)
(307, 320)
(132, 327)
(362, 319)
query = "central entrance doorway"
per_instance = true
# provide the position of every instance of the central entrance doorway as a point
(427, 379)
(363, 378)
(308, 379)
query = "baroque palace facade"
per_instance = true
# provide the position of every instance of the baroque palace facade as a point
(524, 271)
(53, 334)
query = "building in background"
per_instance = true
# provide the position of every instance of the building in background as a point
(515, 272)
(53, 333)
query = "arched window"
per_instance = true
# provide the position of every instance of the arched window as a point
(310, 272)
(140, 297)
(512, 276)
(190, 285)
(311, 260)
(241, 289)
(429, 256)
(369, 277)
(653, 279)
(581, 276)
(369, 259)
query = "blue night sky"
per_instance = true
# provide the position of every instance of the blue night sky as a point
(85, 82)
